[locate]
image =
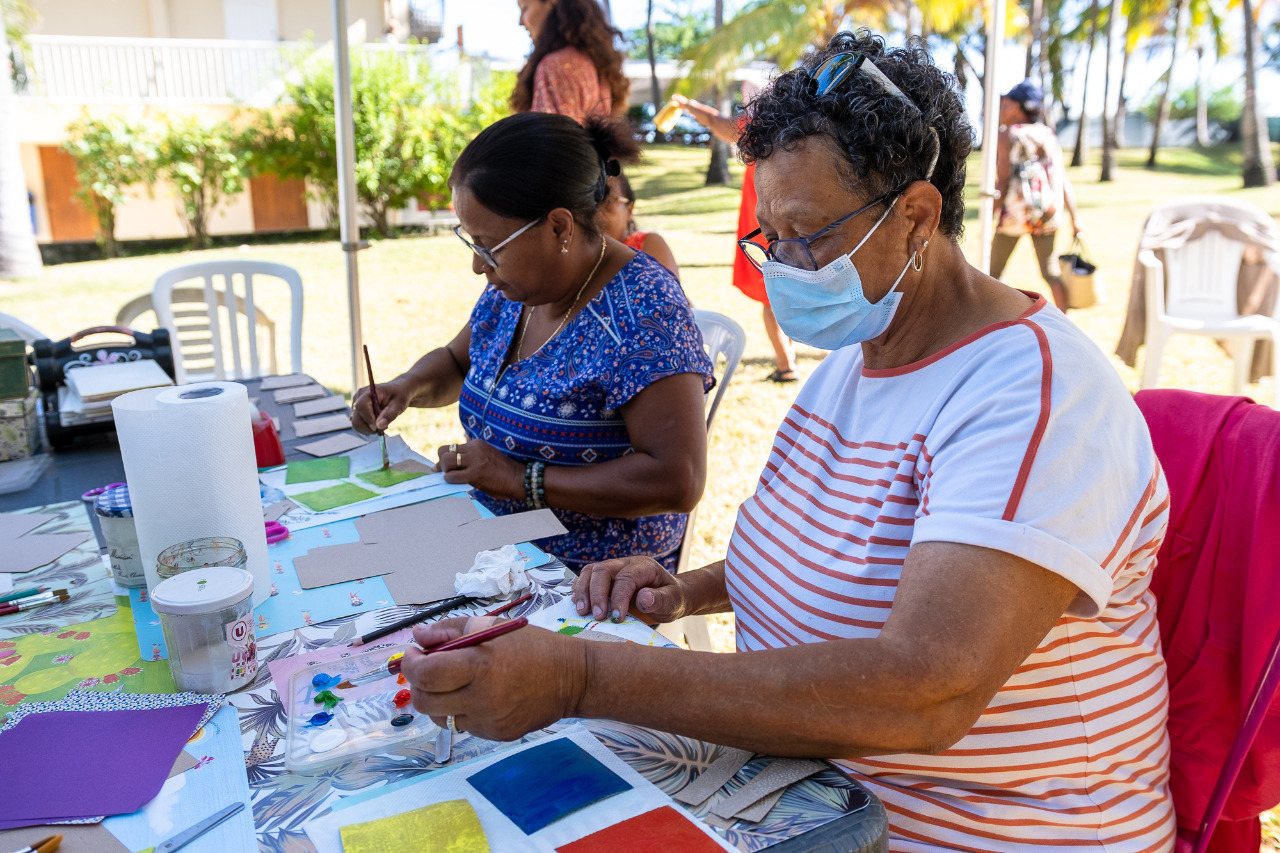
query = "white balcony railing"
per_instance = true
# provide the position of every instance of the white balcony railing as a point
(91, 70)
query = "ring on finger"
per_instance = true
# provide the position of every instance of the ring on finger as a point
(453, 448)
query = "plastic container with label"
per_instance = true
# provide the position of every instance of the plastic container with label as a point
(115, 517)
(207, 619)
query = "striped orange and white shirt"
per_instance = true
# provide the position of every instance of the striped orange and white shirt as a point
(1020, 438)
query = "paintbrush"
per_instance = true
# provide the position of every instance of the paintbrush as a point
(32, 602)
(443, 607)
(392, 667)
(23, 593)
(377, 408)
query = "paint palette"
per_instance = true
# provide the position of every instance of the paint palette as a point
(330, 725)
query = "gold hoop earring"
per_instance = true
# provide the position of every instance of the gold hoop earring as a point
(918, 260)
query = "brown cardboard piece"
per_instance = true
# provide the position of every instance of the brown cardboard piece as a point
(316, 426)
(412, 466)
(713, 778)
(31, 552)
(307, 408)
(273, 512)
(333, 444)
(293, 380)
(182, 763)
(14, 524)
(294, 395)
(779, 773)
(421, 548)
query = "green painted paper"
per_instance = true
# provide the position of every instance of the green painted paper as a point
(333, 497)
(98, 655)
(384, 479)
(311, 470)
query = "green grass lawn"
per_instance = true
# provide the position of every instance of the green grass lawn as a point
(417, 292)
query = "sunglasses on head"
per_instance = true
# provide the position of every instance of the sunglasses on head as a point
(835, 70)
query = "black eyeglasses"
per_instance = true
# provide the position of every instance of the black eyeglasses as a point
(486, 255)
(795, 251)
(834, 71)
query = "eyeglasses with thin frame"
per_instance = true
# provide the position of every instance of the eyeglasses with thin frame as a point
(486, 255)
(795, 251)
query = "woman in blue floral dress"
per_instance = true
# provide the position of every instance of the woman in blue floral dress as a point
(581, 375)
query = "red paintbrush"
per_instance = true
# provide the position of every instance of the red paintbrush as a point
(377, 407)
(57, 596)
(392, 667)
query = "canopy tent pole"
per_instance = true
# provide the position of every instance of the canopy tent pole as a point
(347, 215)
(990, 130)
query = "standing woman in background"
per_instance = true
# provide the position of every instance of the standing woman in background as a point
(745, 276)
(575, 69)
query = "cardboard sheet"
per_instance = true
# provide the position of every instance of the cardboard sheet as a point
(333, 444)
(390, 477)
(304, 392)
(413, 466)
(316, 426)
(273, 512)
(292, 380)
(712, 779)
(339, 563)
(332, 403)
(182, 764)
(14, 524)
(313, 470)
(421, 548)
(759, 811)
(779, 773)
(35, 550)
(334, 496)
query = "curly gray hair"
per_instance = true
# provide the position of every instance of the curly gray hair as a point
(886, 142)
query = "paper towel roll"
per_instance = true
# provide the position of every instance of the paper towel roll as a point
(189, 461)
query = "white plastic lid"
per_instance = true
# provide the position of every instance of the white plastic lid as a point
(202, 591)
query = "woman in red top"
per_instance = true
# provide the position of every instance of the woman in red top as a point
(574, 70)
(745, 276)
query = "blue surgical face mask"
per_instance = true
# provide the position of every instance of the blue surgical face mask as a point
(827, 308)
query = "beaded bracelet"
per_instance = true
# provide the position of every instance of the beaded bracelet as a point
(534, 493)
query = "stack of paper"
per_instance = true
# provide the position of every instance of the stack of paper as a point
(87, 395)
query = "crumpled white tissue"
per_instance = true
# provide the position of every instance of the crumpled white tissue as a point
(494, 573)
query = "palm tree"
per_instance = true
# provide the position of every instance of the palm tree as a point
(718, 168)
(1081, 151)
(1259, 169)
(1108, 125)
(1162, 108)
(655, 90)
(19, 255)
(1140, 21)
(1207, 30)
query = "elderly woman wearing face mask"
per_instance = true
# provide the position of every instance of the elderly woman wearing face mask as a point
(941, 580)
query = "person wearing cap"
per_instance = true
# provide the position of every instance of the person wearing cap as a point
(1032, 187)
(941, 579)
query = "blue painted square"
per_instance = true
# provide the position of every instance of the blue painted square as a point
(540, 785)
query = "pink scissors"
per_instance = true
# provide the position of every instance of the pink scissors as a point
(276, 532)
(93, 493)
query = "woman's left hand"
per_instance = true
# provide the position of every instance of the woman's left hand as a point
(482, 466)
(501, 689)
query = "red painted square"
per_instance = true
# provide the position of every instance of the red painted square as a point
(659, 831)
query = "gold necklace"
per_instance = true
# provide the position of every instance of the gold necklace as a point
(524, 327)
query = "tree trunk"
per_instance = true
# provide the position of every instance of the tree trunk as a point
(1162, 109)
(1081, 152)
(1035, 38)
(654, 88)
(1202, 100)
(1259, 168)
(19, 255)
(1122, 104)
(962, 77)
(718, 168)
(1108, 126)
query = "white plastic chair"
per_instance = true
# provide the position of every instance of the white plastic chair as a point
(29, 334)
(1201, 300)
(723, 338)
(221, 339)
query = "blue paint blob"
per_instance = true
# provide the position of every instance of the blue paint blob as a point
(401, 720)
(319, 719)
(321, 680)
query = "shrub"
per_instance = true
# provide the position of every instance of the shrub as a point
(205, 165)
(111, 154)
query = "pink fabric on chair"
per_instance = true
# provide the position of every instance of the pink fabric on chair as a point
(1217, 584)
